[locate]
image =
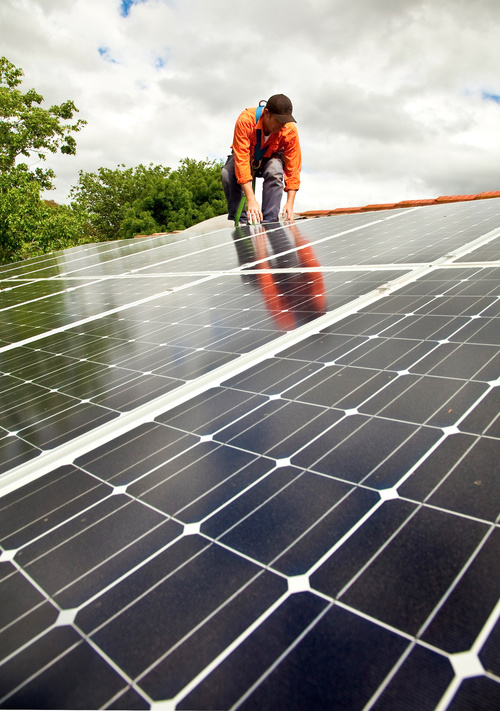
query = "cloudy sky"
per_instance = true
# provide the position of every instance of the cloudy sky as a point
(394, 99)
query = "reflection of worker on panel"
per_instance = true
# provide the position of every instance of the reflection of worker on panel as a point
(292, 297)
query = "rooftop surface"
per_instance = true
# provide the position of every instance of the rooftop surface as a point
(255, 468)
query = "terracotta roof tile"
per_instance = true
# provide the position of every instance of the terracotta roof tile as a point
(382, 206)
(416, 203)
(403, 203)
(456, 198)
(492, 194)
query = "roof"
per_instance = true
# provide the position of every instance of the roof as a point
(403, 203)
(255, 469)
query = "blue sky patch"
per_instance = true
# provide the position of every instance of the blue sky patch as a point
(487, 96)
(127, 4)
(105, 54)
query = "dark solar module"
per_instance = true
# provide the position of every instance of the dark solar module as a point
(418, 236)
(255, 469)
(486, 253)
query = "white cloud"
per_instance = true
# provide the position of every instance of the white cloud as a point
(391, 97)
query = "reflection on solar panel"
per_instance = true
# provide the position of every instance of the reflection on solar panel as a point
(255, 469)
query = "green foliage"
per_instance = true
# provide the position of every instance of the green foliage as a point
(27, 128)
(124, 202)
(19, 210)
(107, 195)
(28, 226)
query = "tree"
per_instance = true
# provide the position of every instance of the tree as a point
(27, 226)
(202, 179)
(27, 128)
(107, 195)
(125, 202)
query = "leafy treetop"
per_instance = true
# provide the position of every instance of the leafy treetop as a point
(125, 202)
(26, 127)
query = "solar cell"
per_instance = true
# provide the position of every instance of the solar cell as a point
(238, 465)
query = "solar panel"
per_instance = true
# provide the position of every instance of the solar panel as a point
(255, 468)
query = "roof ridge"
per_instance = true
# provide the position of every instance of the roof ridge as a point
(403, 203)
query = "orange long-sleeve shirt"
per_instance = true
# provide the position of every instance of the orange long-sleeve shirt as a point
(245, 138)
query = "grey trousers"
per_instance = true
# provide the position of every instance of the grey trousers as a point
(272, 171)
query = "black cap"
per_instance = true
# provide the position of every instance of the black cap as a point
(281, 106)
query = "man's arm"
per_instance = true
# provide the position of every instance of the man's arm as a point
(242, 145)
(293, 160)
(242, 149)
(293, 164)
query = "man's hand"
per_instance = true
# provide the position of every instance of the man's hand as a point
(287, 212)
(254, 213)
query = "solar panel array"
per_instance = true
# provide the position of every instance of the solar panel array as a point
(255, 468)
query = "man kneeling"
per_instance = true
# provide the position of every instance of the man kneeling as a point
(265, 144)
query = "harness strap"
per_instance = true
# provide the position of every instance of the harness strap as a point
(259, 151)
